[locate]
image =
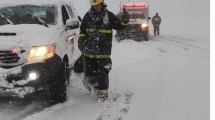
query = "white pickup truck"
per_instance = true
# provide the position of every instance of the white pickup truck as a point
(38, 41)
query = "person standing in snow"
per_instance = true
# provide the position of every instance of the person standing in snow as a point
(156, 21)
(95, 42)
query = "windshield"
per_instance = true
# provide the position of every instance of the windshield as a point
(136, 13)
(136, 16)
(19, 14)
(3, 21)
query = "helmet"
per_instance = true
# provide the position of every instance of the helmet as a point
(95, 2)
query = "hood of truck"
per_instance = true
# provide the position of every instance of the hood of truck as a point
(138, 21)
(26, 35)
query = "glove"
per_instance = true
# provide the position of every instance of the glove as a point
(125, 16)
(81, 43)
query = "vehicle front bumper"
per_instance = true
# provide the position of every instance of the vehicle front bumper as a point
(133, 31)
(16, 81)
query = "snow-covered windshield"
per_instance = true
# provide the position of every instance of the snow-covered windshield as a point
(19, 14)
(136, 13)
(136, 16)
(3, 20)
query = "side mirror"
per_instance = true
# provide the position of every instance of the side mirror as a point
(79, 18)
(149, 18)
(72, 24)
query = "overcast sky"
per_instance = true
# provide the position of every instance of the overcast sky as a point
(164, 7)
(188, 18)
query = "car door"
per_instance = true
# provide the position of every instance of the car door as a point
(75, 32)
(69, 33)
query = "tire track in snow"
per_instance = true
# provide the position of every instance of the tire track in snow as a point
(158, 39)
(184, 42)
(181, 38)
(188, 47)
(18, 109)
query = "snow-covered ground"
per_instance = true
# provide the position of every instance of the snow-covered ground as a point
(165, 78)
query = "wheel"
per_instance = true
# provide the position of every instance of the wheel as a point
(146, 36)
(136, 38)
(78, 66)
(58, 85)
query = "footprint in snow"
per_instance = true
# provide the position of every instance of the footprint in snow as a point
(116, 106)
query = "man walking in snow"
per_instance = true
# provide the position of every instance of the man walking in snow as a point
(95, 42)
(156, 20)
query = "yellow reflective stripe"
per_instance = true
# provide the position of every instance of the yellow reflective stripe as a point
(97, 56)
(103, 92)
(90, 30)
(124, 24)
(105, 31)
(82, 35)
(102, 30)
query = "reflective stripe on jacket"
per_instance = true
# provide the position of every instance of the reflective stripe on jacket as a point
(101, 30)
(97, 56)
(98, 35)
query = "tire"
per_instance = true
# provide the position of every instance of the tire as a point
(58, 85)
(146, 36)
(136, 38)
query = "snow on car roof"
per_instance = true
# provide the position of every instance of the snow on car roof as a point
(35, 2)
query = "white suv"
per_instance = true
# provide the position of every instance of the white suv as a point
(38, 43)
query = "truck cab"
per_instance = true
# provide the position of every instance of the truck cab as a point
(38, 44)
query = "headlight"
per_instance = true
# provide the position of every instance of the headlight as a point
(144, 25)
(41, 52)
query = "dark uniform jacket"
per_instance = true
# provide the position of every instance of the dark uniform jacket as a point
(156, 20)
(96, 33)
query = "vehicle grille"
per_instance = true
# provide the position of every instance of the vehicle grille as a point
(7, 34)
(134, 25)
(8, 57)
(133, 28)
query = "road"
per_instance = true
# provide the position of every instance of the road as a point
(18, 108)
(164, 78)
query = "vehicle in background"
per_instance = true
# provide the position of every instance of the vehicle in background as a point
(138, 28)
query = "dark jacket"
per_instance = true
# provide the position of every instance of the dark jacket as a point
(156, 20)
(96, 32)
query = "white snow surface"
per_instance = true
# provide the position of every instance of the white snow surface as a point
(165, 78)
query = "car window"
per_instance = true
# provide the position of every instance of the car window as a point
(70, 11)
(65, 14)
(136, 16)
(20, 14)
(3, 21)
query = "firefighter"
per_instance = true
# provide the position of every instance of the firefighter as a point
(156, 20)
(95, 43)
